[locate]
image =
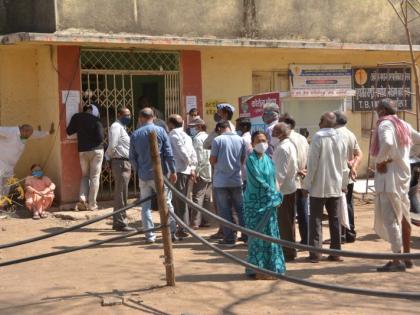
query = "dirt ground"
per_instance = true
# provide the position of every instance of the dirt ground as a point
(132, 272)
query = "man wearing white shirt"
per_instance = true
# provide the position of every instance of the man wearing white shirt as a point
(185, 162)
(326, 179)
(285, 160)
(201, 192)
(354, 157)
(243, 128)
(118, 151)
(12, 144)
(391, 143)
(302, 149)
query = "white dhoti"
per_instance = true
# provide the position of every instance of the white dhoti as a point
(390, 208)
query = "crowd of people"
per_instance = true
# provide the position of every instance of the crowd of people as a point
(265, 180)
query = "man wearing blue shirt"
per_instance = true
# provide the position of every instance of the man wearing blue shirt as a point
(228, 153)
(141, 161)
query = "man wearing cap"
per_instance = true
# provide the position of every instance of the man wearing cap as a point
(224, 113)
(12, 144)
(270, 117)
(201, 193)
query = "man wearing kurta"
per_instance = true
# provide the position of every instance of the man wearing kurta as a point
(285, 160)
(391, 144)
(326, 179)
(12, 144)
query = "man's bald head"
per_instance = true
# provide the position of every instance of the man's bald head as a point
(26, 131)
(146, 115)
(281, 130)
(386, 107)
(328, 120)
(175, 121)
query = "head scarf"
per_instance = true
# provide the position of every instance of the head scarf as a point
(401, 128)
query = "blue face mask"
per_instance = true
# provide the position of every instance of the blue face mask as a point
(193, 131)
(239, 133)
(125, 120)
(38, 173)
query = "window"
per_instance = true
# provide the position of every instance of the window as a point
(269, 81)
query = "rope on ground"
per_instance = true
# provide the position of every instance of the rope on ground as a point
(313, 284)
(76, 248)
(75, 227)
(285, 243)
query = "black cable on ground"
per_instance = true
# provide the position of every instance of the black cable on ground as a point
(75, 227)
(335, 252)
(313, 284)
(76, 248)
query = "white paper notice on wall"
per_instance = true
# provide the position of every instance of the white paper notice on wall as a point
(191, 101)
(70, 99)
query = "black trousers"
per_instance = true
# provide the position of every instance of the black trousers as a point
(315, 222)
(286, 220)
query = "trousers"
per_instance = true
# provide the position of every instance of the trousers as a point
(180, 207)
(121, 172)
(147, 188)
(315, 222)
(201, 195)
(91, 165)
(286, 221)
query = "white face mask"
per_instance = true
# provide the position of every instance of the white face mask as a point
(274, 141)
(261, 147)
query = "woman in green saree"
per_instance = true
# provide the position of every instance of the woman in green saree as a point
(261, 200)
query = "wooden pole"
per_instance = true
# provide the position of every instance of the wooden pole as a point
(163, 210)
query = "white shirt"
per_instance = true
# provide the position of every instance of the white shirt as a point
(397, 177)
(203, 168)
(285, 160)
(302, 149)
(248, 143)
(327, 171)
(350, 141)
(12, 146)
(119, 141)
(184, 153)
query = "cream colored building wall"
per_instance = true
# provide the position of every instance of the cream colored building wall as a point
(29, 94)
(227, 74)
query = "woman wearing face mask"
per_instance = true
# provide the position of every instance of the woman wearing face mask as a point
(39, 192)
(261, 200)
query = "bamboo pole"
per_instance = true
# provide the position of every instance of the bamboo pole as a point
(163, 210)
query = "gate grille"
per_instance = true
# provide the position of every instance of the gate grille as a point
(129, 60)
(108, 75)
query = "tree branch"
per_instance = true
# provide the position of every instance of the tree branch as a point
(396, 11)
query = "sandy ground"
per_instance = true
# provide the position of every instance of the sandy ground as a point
(129, 270)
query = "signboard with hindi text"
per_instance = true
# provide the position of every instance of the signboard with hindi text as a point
(393, 83)
(252, 107)
(320, 80)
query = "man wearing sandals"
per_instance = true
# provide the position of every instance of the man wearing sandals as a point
(391, 143)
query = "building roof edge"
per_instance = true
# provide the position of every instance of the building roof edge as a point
(94, 38)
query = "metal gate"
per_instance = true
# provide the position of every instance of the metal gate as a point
(107, 82)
